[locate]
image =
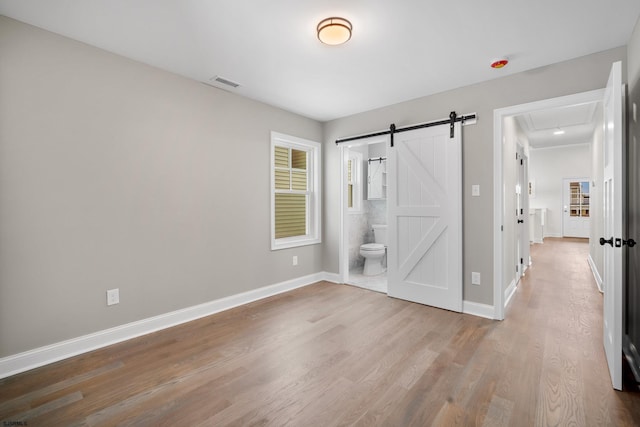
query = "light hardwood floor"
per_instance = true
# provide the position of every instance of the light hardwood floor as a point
(330, 355)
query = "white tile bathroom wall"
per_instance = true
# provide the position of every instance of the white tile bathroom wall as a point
(377, 213)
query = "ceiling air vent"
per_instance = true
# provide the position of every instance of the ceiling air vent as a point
(222, 80)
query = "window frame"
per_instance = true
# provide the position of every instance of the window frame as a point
(313, 228)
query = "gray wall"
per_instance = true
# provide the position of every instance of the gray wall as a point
(114, 174)
(565, 78)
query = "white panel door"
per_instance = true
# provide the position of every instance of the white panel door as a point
(425, 217)
(521, 214)
(576, 209)
(613, 193)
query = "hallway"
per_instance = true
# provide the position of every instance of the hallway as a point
(559, 312)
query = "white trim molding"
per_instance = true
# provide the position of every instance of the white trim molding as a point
(596, 273)
(312, 192)
(41, 356)
(478, 309)
(509, 292)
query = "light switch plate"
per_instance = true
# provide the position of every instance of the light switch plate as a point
(475, 278)
(475, 190)
(113, 296)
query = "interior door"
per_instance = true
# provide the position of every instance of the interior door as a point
(520, 215)
(613, 193)
(424, 203)
(631, 335)
(576, 212)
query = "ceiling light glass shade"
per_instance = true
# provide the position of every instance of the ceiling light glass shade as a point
(334, 31)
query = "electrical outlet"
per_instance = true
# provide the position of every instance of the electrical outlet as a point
(295, 260)
(113, 296)
(475, 278)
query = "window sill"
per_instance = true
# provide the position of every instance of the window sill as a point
(293, 243)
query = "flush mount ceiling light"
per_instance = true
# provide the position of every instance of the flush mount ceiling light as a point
(334, 31)
(558, 131)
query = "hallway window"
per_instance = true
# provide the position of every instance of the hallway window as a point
(295, 185)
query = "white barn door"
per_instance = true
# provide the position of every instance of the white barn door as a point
(613, 193)
(425, 217)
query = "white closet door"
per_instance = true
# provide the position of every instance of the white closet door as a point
(425, 217)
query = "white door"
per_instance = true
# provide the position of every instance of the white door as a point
(613, 192)
(424, 200)
(576, 212)
(521, 237)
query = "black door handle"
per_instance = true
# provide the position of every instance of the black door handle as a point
(520, 221)
(630, 242)
(602, 241)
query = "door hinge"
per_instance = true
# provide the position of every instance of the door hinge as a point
(521, 261)
(521, 162)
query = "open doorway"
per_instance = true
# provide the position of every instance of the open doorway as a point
(557, 138)
(563, 145)
(364, 218)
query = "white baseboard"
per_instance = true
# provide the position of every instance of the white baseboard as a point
(508, 293)
(331, 277)
(478, 309)
(31, 359)
(596, 274)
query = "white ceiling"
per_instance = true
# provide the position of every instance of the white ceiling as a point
(578, 123)
(400, 50)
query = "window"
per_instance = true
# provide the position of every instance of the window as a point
(295, 191)
(354, 182)
(579, 204)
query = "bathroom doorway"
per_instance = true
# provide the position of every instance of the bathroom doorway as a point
(364, 215)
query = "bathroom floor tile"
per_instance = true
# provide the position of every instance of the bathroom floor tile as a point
(376, 283)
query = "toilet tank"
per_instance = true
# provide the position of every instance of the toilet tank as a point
(380, 233)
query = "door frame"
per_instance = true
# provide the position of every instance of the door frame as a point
(343, 247)
(523, 179)
(499, 297)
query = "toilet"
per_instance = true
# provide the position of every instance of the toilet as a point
(373, 253)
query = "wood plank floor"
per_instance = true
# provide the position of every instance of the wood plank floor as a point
(333, 355)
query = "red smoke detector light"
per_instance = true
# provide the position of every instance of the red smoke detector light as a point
(500, 63)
